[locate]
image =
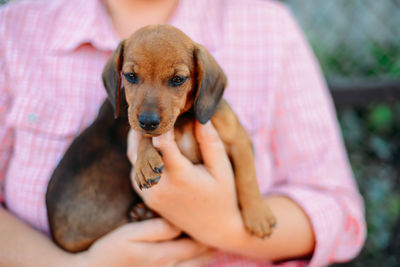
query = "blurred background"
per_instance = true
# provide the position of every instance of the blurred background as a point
(358, 45)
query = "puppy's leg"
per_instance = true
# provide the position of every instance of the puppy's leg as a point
(257, 216)
(149, 164)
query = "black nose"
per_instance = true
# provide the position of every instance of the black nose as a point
(149, 121)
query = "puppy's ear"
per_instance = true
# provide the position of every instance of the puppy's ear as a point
(211, 82)
(112, 77)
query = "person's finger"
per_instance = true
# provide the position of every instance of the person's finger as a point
(198, 261)
(171, 155)
(133, 144)
(152, 230)
(180, 250)
(212, 149)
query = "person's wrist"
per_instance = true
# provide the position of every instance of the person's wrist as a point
(233, 238)
(239, 242)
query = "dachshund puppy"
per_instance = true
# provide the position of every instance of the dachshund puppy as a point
(169, 81)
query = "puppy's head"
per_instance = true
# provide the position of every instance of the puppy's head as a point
(164, 75)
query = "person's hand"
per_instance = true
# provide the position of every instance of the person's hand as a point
(146, 243)
(199, 199)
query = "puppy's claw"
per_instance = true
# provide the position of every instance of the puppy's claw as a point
(148, 168)
(159, 170)
(155, 180)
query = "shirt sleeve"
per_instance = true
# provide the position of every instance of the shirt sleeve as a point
(309, 154)
(6, 134)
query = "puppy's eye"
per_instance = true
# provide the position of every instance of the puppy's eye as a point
(131, 77)
(177, 81)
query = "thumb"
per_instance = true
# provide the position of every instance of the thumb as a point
(171, 155)
(133, 144)
(212, 149)
(153, 230)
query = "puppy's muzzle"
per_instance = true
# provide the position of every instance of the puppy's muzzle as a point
(149, 121)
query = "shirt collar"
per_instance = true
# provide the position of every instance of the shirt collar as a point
(87, 21)
(82, 22)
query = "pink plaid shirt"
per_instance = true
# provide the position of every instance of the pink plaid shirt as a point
(52, 55)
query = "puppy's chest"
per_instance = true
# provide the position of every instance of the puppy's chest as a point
(185, 139)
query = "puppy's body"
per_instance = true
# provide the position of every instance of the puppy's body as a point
(169, 81)
(90, 192)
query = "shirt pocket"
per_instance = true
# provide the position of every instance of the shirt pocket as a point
(44, 116)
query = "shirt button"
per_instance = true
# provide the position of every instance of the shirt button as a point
(32, 117)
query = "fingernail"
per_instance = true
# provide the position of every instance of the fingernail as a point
(155, 180)
(159, 170)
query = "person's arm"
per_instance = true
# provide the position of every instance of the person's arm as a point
(6, 134)
(202, 201)
(318, 208)
(129, 245)
(309, 154)
(20, 245)
(147, 243)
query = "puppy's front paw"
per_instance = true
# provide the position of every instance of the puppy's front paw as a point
(148, 168)
(258, 219)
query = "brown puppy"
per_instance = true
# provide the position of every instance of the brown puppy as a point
(166, 76)
(168, 82)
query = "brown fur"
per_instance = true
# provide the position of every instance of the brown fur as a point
(155, 54)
